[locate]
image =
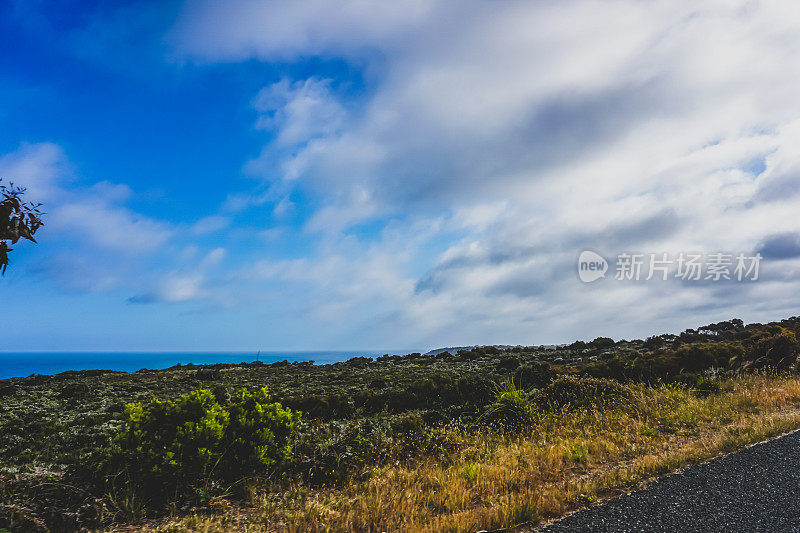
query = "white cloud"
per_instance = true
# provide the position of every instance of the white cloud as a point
(533, 130)
(210, 224)
(92, 242)
(209, 31)
(93, 216)
(191, 282)
(107, 225)
(299, 111)
(39, 168)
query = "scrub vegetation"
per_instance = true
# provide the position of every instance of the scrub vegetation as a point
(481, 439)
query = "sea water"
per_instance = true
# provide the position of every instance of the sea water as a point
(13, 364)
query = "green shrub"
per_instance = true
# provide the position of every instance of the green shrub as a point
(511, 409)
(257, 437)
(173, 442)
(508, 363)
(700, 384)
(339, 451)
(777, 351)
(471, 472)
(584, 392)
(411, 423)
(323, 406)
(475, 390)
(601, 343)
(616, 367)
(698, 357)
(536, 374)
(187, 446)
(434, 391)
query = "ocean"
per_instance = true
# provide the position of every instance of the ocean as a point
(14, 364)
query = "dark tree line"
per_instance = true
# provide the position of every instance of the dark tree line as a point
(18, 219)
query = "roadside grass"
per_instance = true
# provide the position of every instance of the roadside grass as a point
(564, 459)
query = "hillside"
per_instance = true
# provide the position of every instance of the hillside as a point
(458, 416)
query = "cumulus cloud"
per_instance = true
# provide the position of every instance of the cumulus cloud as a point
(93, 242)
(527, 131)
(186, 284)
(94, 216)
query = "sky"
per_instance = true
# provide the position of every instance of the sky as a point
(300, 175)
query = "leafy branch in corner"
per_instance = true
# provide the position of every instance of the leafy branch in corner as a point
(18, 219)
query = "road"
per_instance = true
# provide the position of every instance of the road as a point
(757, 489)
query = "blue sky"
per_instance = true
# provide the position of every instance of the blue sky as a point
(302, 175)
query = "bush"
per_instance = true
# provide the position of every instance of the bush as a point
(651, 343)
(601, 343)
(475, 390)
(188, 446)
(699, 357)
(617, 367)
(536, 374)
(340, 451)
(511, 409)
(700, 384)
(584, 392)
(173, 442)
(508, 363)
(322, 406)
(777, 351)
(433, 391)
(257, 437)
(578, 346)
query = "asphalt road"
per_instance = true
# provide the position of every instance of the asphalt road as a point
(757, 489)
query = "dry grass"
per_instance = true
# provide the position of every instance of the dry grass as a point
(566, 460)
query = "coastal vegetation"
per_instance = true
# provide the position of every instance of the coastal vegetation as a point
(484, 438)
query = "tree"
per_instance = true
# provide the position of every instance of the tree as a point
(18, 219)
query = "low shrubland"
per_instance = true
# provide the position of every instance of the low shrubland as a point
(192, 449)
(471, 477)
(481, 439)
